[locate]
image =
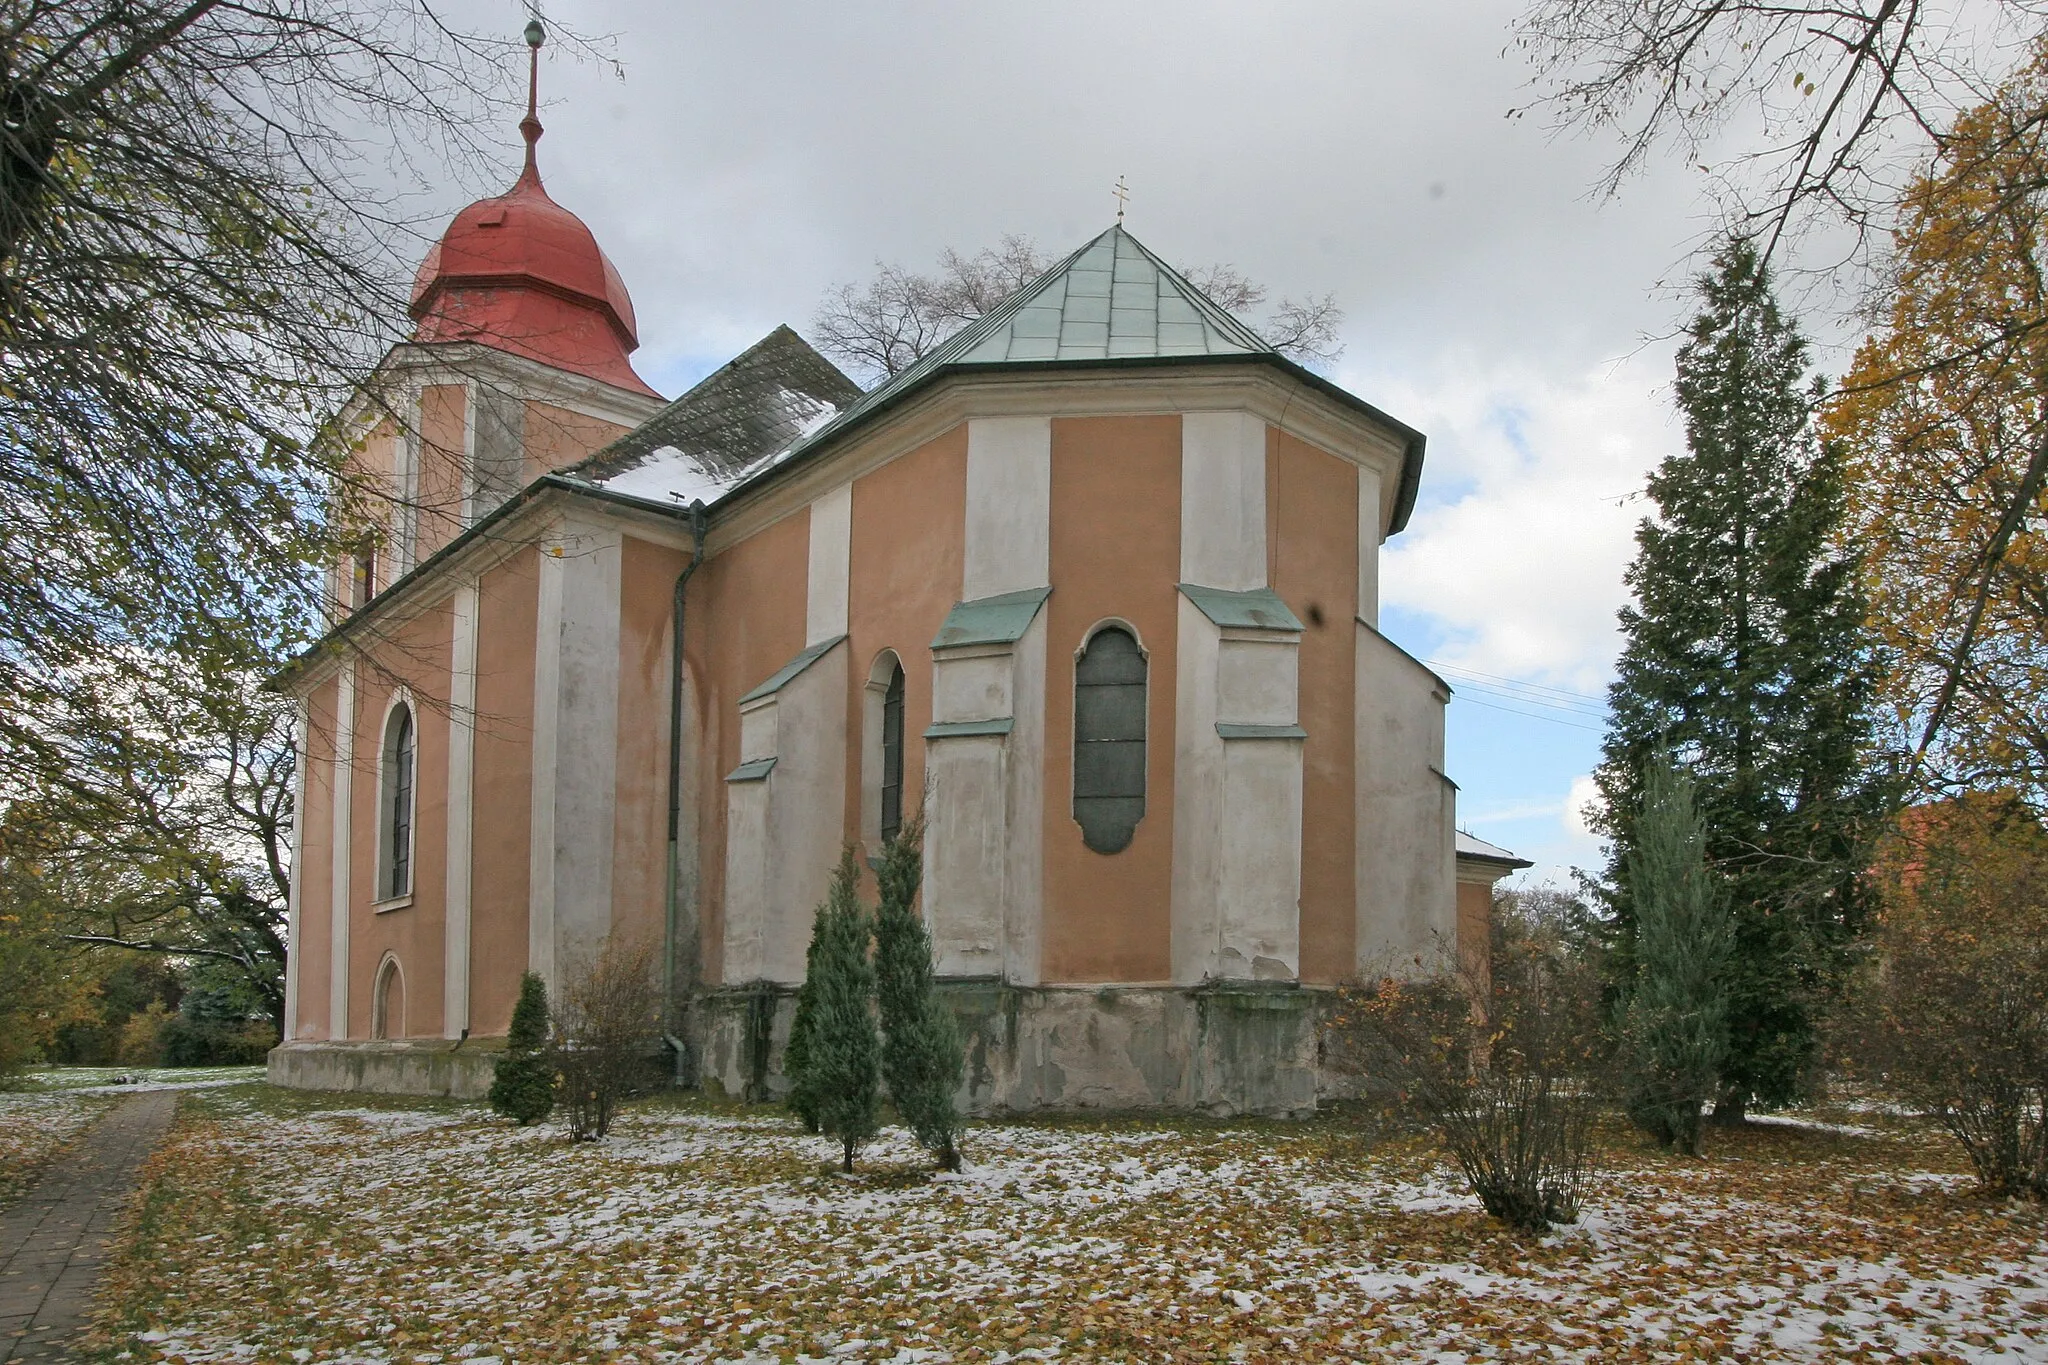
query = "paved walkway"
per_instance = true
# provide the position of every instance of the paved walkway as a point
(52, 1242)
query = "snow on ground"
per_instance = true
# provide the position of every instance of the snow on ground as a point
(288, 1231)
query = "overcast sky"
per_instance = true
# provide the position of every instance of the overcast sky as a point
(754, 155)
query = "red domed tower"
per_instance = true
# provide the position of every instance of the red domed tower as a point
(522, 274)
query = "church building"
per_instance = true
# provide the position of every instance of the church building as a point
(1092, 588)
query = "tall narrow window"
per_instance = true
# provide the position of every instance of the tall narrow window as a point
(1109, 740)
(892, 755)
(363, 575)
(399, 750)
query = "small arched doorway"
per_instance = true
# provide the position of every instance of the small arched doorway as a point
(387, 1008)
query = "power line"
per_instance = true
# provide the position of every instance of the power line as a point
(1530, 715)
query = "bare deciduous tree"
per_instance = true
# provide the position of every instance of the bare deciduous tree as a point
(883, 327)
(608, 1013)
(204, 238)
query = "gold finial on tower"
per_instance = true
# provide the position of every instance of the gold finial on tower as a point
(1123, 197)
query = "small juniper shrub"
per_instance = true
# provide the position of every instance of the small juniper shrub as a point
(524, 1087)
(921, 1056)
(1673, 1016)
(1507, 1085)
(834, 1060)
(609, 1015)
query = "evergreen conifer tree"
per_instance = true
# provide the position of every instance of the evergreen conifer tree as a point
(1674, 1022)
(921, 1056)
(796, 1056)
(1748, 659)
(836, 1067)
(523, 1087)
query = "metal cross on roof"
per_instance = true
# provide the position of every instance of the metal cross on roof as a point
(1123, 197)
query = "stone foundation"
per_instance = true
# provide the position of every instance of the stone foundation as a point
(420, 1066)
(1224, 1050)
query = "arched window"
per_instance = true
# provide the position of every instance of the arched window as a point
(892, 754)
(395, 878)
(1109, 739)
(387, 1001)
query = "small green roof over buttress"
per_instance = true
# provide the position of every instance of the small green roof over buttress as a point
(1110, 302)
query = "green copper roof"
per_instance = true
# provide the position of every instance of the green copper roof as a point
(998, 620)
(1257, 609)
(782, 675)
(1110, 299)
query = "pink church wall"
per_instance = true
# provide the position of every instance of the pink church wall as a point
(315, 814)
(414, 655)
(647, 575)
(908, 546)
(1115, 552)
(502, 785)
(444, 415)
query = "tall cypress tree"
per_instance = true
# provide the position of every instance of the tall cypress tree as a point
(835, 1053)
(921, 1057)
(1674, 1018)
(1747, 658)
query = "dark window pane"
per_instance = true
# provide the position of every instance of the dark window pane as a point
(1112, 767)
(400, 779)
(892, 756)
(1109, 740)
(1108, 822)
(1111, 657)
(1116, 712)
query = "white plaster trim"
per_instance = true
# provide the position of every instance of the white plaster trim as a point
(1024, 877)
(1009, 506)
(461, 787)
(1223, 500)
(1119, 623)
(468, 456)
(830, 565)
(457, 363)
(547, 675)
(575, 747)
(387, 855)
(1370, 520)
(874, 693)
(380, 1024)
(339, 909)
(1286, 404)
(296, 892)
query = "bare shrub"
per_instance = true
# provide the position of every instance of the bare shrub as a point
(608, 1012)
(1506, 1084)
(1956, 1003)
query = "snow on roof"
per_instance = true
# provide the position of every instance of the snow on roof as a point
(1472, 846)
(744, 417)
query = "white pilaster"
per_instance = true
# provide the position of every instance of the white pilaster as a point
(1223, 500)
(575, 748)
(785, 814)
(461, 778)
(830, 565)
(296, 891)
(1009, 505)
(1369, 546)
(339, 909)
(1406, 857)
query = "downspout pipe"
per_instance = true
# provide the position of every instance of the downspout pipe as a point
(672, 927)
